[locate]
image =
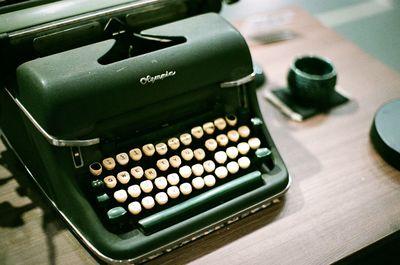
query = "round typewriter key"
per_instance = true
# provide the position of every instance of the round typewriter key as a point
(135, 154)
(134, 191)
(185, 172)
(209, 127)
(122, 158)
(95, 169)
(161, 198)
(199, 154)
(185, 138)
(209, 166)
(123, 177)
(135, 208)
(231, 119)
(163, 164)
(243, 148)
(198, 183)
(220, 123)
(244, 162)
(233, 135)
(185, 188)
(222, 140)
(254, 143)
(148, 149)
(148, 202)
(209, 180)
(232, 152)
(120, 196)
(146, 186)
(109, 163)
(161, 148)
(197, 170)
(137, 172)
(161, 183)
(211, 144)
(187, 154)
(175, 161)
(221, 172)
(220, 157)
(173, 143)
(173, 179)
(150, 173)
(233, 167)
(197, 132)
(110, 182)
(173, 192)
(244, 131)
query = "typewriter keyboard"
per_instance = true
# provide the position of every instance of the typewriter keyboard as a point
(154, 183)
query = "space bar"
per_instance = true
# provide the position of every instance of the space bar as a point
(201, 202)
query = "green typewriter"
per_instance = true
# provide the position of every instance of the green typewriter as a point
(138, 120)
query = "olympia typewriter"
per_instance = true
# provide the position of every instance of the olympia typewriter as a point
(138, 120)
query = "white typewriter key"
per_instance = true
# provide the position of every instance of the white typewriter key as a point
(173, 192)
(244, 131)
(185, 172)
(209, 180)
(197, 132)
(173, 179)
(173, 143)
(185, 188)
(95, 169)
(148, 149)
(187, 154)
(221, 172)
(199, 154)
(135, 208)
(161, 148)
(161, 183)
(175, 161)
(150, 173)
(211, 144)
(222, 140)
(233, 135)
(137, 172)
(162, 164)
(146, 186)
(220, 123)
(209, 127)
(244, 162)
(185, 138)
(233, 167)
(161, 198)
(135, 154)
(232, 152)
(120, 196)
(122, 158)
(243, 148)
(197, 170)
(109, 163)
(198, 183)
(110, 182)
(209, 166)
(254, 143)
(148, 202)
(220, 157)
(231, 119)
(134, 191)
(123, 177)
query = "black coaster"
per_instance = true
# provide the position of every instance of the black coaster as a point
(283, 99)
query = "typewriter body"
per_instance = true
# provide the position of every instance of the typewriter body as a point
(143, 139)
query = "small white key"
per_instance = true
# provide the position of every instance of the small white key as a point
(254, 143)
(197, 132)
(222, 140)
(220, 157)
(209, 127)
(173, 192)
(135, 208)
(134, 191)
(135, 154)
(148, 149)
(233, 167)
(162, 164)
(244, 162)
(175, 161)
(110, 182)
(221, 172)
(187, 154)
(233, 136)
(161, 183)
(96, 169)
(243, 148)
(198, 183)
(173, 179)
(220, 123)
(123, 177)
(185, 172)
(185, 138)
(197, 170)
(148, 202)
(137, 172)
(173, 143)
(122, 158)
(109, 163)
(185, 188)
(161, 148)
(231, 119)
(209, 166)
(150, 173)
(161, 198)
(120, 196)
(209, 180)
(232, 152)
(199, 154)
(211, 144)
(146, 186)
(244, 131)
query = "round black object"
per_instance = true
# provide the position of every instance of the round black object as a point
(385, 132)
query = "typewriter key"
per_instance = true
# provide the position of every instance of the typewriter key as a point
(150, 173)
(197, 170)
(137, 172)
(148, 202)
(161, 198)
(135, 154)
(222, 140)
(209, 166)
(161, 183)
(198, 183)
(148, 149)
(209, 180)
(185, 172)
(211, 144)
(110, 182)
(254, 143)
(120, 196)
(244, 162)
(173, 179)
(221, 172)
(220, 157)
(233, 167)
(163, 164)
(185, 188)
(134, 191)
(109, 163)
(146, 186)
(173, 192)
(233, 135)
(161, 148)
(244, 131)
(187, 154)
(123, 177)
(232, 152)
(122, 159)
(220, 123)
(96, 169)
(175, 161)
(186, 138)
(199, 154)
(209, 127)
(243, 148)
(173, 143)
(197, 132)
(231, 119)
(135, 208)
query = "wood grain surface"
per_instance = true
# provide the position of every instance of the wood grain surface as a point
(343, 195)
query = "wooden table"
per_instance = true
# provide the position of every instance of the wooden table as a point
(343, 196)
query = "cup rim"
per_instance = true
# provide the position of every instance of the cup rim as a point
(312, 76)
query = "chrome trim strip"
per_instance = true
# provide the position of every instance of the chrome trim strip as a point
(51, 139)
(239, 82)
